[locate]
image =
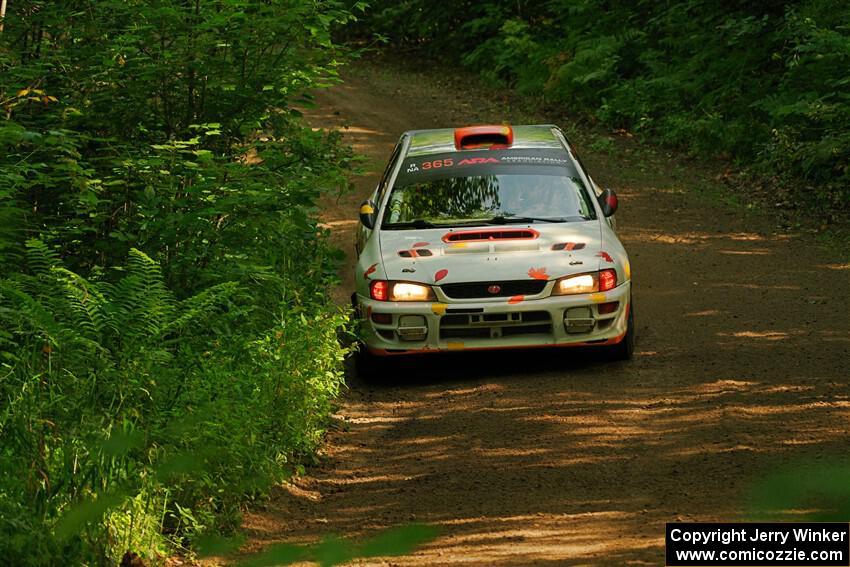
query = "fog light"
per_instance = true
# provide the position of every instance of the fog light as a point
(412, 328)
(579, 320)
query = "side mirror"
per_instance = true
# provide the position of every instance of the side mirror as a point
(367, 213)
(608, 202)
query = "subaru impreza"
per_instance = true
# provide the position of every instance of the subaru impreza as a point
(490, 237)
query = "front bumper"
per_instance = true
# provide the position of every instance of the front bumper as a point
(397, 328)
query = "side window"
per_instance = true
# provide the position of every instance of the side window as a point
(385, 178)
(594, 187)
(583, 170)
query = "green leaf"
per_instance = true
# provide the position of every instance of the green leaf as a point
(398, 541)
(75, 519)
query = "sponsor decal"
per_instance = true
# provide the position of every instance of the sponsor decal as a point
(477, 160)
(538, 160)
(437, 164)
(538, 273)
(606, 256)
(440, 274)
(369, 271)
(493, 161)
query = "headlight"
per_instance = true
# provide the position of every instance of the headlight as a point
(404, 291)
(586, 283)
(583, 283)
(381, 290)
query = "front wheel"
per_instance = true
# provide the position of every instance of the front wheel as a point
(369, 367)
(373, 369)
(626, 348)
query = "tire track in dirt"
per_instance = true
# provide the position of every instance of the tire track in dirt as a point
(548, 458)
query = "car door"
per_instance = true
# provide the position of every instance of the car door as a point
(363, 232)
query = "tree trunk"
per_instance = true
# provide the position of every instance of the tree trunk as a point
(2, 14)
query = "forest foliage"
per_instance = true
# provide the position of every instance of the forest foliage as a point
(166, 347)
(764, 83)
(167, 350)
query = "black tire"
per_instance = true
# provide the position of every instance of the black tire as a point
(625, 348)
(373, 369)
(369, 367)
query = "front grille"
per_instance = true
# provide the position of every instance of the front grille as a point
(477, 290)
(465, 333)
(530, 330)
(496, 325)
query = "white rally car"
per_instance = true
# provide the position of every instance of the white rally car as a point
(490, 237)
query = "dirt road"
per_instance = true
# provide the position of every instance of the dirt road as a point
(541, 458)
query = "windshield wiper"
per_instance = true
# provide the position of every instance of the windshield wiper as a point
(524, 220)
(416, 223)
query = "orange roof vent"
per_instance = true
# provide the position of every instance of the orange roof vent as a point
(471, 137)
(491, 234)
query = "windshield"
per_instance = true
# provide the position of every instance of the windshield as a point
(487, 187)
(495, 198)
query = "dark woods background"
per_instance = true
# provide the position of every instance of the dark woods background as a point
(763, 83)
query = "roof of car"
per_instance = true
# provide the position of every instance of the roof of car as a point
(441, 140)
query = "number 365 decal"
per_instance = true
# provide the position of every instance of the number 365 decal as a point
(438, 163)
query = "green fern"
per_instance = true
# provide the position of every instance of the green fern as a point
(40, 258)
(53, 309)
(143, 306)
(201, 304)
(88, 307)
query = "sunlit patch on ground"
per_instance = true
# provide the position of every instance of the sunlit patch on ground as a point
(704, 313)
(756, 252)
(758, 286)
(336, 224)
(766, 335)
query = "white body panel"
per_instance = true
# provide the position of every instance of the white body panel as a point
(490, 320)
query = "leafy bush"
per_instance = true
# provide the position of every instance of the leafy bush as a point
(166, 346)
(122, 390)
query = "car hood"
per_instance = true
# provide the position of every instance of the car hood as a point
(491, 253)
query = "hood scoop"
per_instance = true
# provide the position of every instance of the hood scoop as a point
(487, 235)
